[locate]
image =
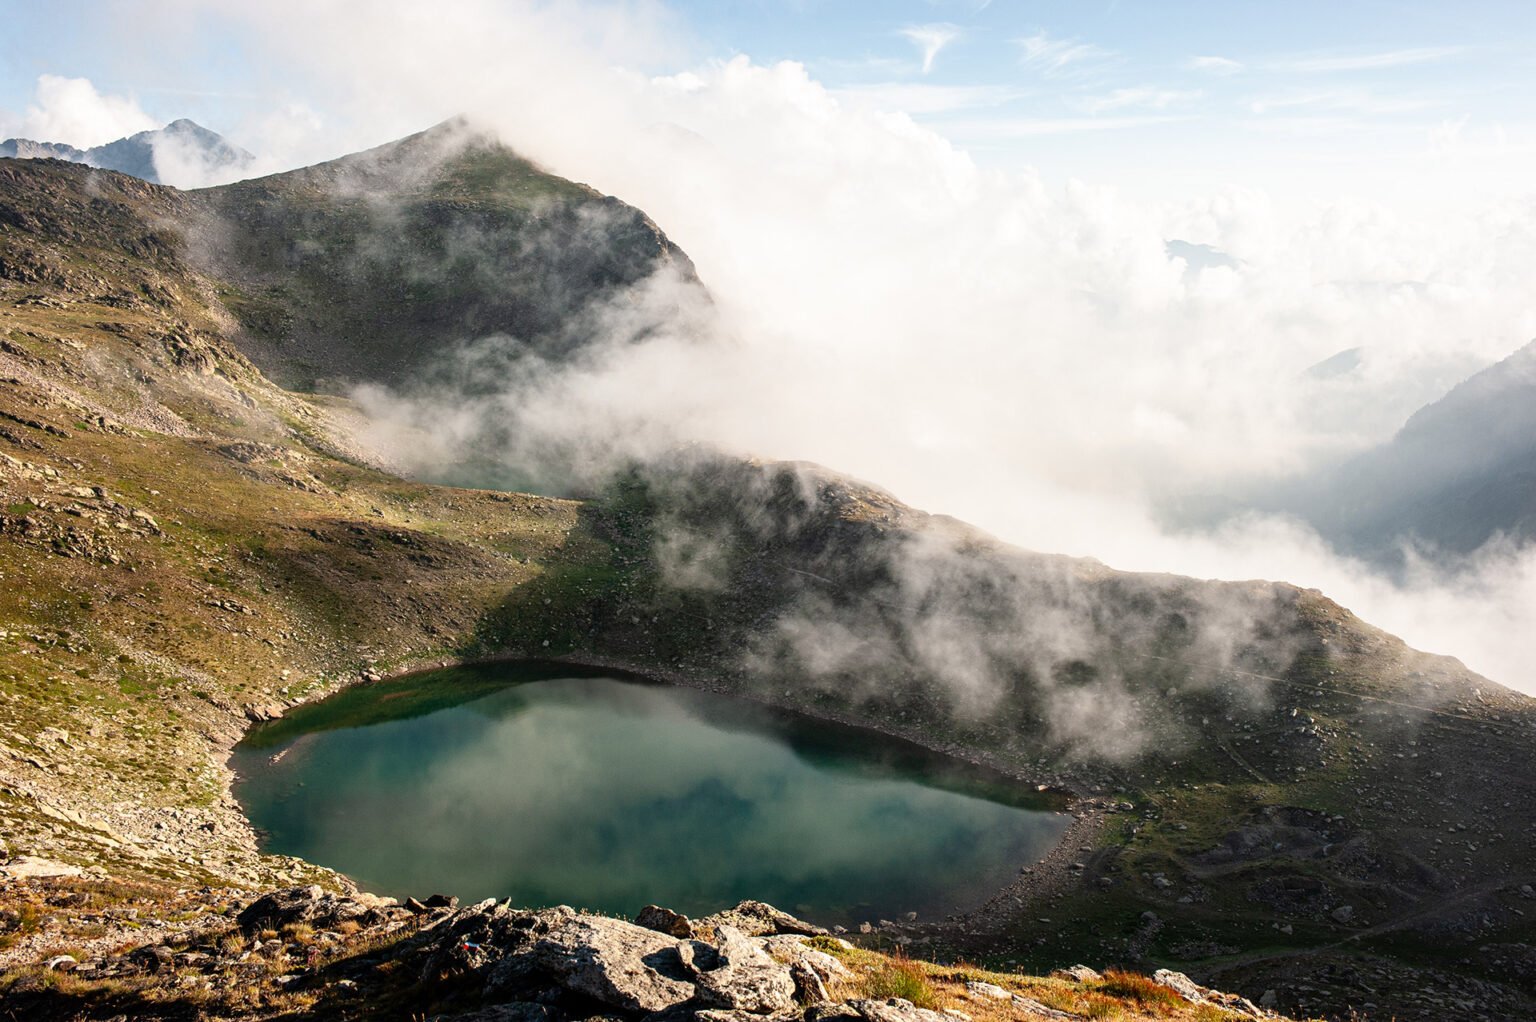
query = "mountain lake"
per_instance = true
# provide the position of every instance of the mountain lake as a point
(548, 784)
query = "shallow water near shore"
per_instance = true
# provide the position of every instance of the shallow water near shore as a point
(551, 785)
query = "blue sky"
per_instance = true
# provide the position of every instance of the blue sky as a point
(1198, 90)
(1075, 86)
(1164, 97)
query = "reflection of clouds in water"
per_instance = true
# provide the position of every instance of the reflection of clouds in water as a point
(611, 793)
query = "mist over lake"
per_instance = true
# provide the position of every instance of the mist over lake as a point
(612, 794)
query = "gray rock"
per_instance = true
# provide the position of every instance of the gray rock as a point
(758, 919)
(739, 975)
(1180, 984)
(1343, 914)
(617, 963)
(1078, 973)
(723, 1015)
(31, 866)
(832, 1013)
(894, 1009)
(258, 712)
(153, 959)
(516, 1011)
(1038, 1010)
(313, 905)
(809, 989)
(794, 950)
(664, 920)
(1194, 993)
(981, 989)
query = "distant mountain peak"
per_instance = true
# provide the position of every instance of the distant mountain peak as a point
(184, 150)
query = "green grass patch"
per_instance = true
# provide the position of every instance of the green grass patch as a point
(899, 976)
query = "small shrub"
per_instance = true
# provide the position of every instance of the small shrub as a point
(1102, 1007)
(899, 976)
(831, 945)
(1133, 986)
(298, 933)
(965, 972)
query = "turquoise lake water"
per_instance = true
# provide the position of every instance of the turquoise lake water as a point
(551, 786)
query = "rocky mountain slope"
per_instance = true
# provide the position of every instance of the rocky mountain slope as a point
(371, 267)
(182, 145)
(1270, 795)
(364, 957)
(1461, 472)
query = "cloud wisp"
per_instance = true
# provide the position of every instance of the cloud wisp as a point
(1337, 63)
(1051, 55)
(1214, 65)
(930, 39)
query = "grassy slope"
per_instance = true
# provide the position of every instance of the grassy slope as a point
(339, 272)
(271, 547)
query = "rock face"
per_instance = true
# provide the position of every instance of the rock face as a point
(491, 962)
(664, 920)
(737, 972)
(759, 919)
(562, 964)
(620, 964)
(1194, 993)
(33, 866)
(312, 906)
(892, 1009)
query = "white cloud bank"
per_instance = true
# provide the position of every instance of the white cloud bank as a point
(1017, 352)
(72, 111)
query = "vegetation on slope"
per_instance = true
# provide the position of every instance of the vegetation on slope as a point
(1310, 807)
(373, 266)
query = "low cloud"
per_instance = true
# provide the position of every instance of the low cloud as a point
(1019, 352)
(74, 112)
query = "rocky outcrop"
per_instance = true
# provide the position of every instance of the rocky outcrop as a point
(314, 906)
(736, 972)
(664, 920)
(622, 965)
(550, 965)
(344, 955)
(559, 963)
(892, 1009)
(758, 919)
(1194, 993)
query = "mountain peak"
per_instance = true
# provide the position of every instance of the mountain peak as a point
(189, 152)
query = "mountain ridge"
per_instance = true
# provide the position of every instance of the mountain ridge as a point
(199, 547)
(1459, 474)
(447, 235)
(181, 141)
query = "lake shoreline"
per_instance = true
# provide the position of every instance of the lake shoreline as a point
(1036, 884)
